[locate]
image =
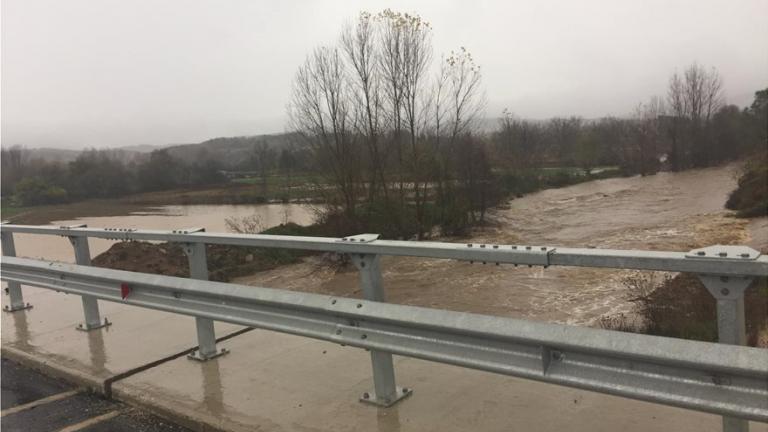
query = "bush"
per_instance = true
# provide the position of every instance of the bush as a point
(750, 198)
(36, 191)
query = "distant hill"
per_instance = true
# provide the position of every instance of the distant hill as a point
(230, 151)
(66, 155)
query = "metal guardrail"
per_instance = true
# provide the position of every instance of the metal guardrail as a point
(727, 380)
(697, 375)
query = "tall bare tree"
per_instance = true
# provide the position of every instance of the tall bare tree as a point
(693, 98)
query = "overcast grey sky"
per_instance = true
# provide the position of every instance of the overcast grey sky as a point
(114, 72)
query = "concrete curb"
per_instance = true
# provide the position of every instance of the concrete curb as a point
(55, 370)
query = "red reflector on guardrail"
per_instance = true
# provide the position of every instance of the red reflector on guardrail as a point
(124, 290)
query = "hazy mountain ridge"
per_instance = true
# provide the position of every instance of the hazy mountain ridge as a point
(229, 151)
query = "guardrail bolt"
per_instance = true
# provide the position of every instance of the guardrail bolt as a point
(745, 255)
(701, 253)
(725, 291)
(723, 254)
(495, 246)
(469, 244)
(366, 396)
(363, 336)
(338, 332)
(359, 305)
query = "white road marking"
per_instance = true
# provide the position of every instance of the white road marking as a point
(43, 401)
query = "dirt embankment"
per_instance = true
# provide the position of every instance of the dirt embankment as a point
(224, 262)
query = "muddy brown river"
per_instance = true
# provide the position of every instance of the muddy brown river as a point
(667, 211)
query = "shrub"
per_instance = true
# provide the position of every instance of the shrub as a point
(36, 191)
(750, 198)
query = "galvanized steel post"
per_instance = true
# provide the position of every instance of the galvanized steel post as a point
(90, 304)
(729, 293)
(731, 325)
(14, 288)
(206, 334)
(385, 393)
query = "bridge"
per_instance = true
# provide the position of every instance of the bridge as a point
(724, 379)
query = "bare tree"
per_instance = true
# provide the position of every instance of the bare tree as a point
(693, 99)
(648, 134)
(377, 119)
(320, 112)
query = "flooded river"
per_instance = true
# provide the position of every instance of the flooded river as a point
(668, 211)
(211, 217)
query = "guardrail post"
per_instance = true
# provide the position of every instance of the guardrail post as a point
(14, 288)
(206, 334)
(90, 304)
(731, 325)
(385, 393)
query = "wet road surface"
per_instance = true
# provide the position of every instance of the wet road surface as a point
(32, 401)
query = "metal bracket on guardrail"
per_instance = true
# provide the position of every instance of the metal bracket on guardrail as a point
(360, 238)
(70, 227)
(720, 252)
(188, 230)
(121, 234)
(536, 255)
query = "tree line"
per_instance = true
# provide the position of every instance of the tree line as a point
(98, 174)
